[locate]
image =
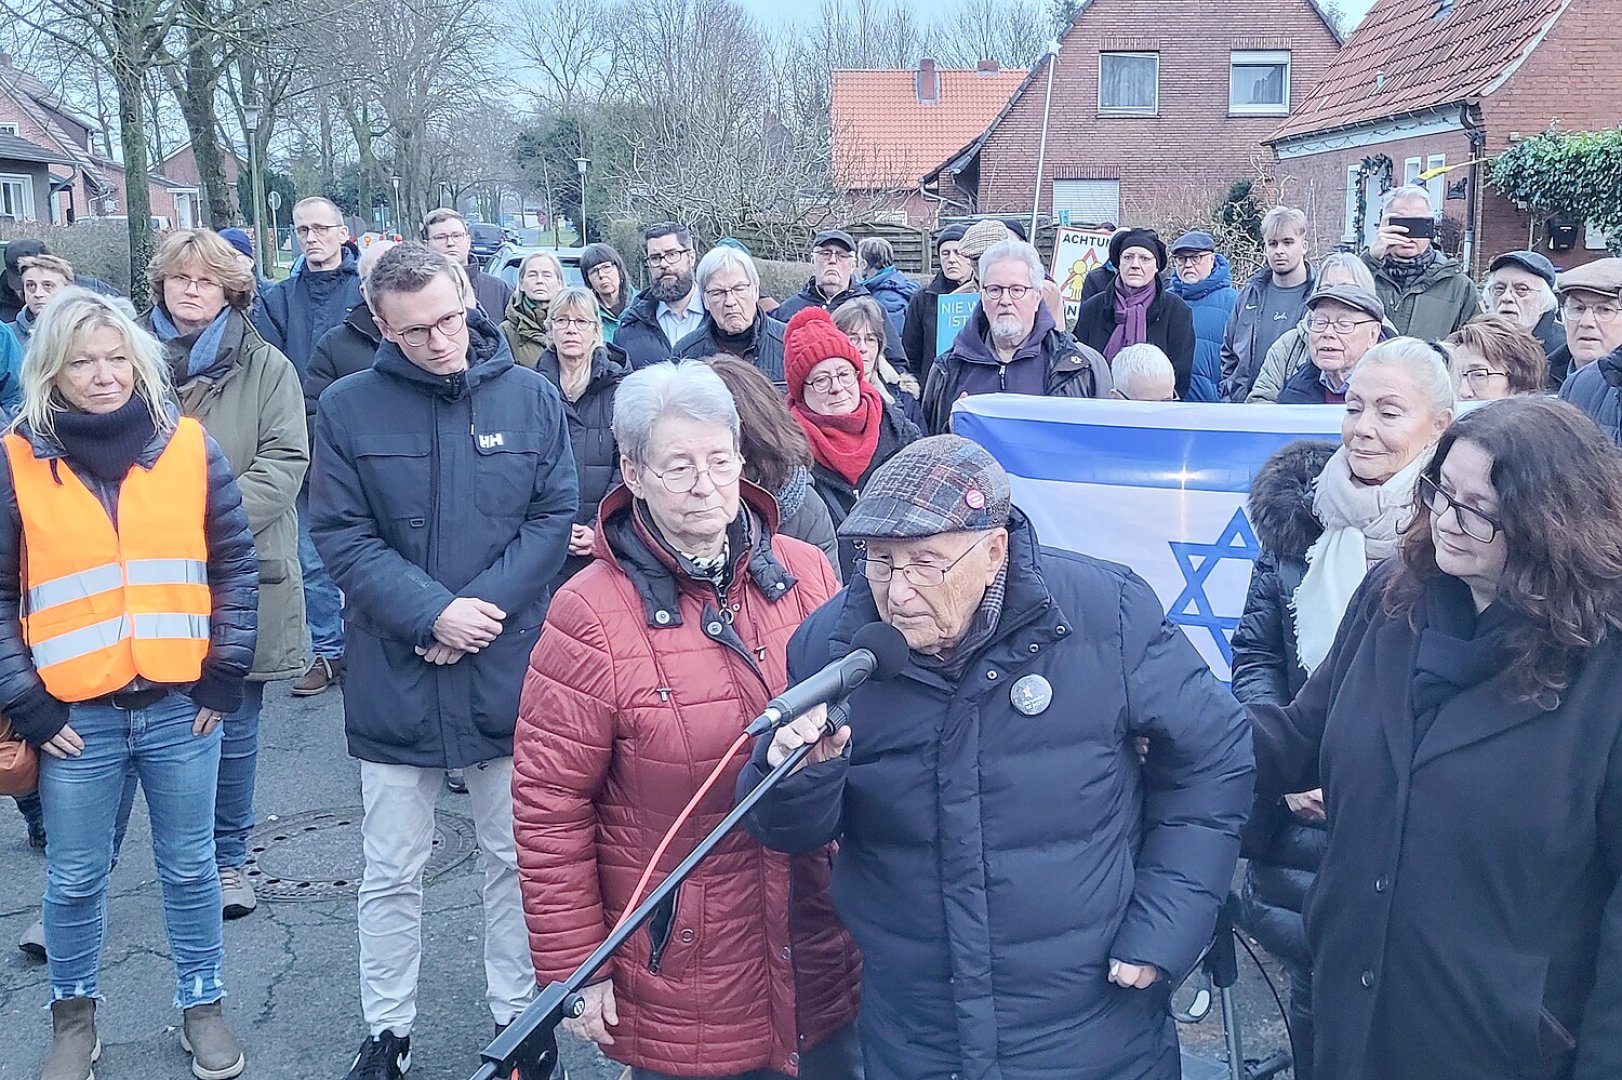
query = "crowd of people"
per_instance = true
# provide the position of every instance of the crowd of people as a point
(558, 544)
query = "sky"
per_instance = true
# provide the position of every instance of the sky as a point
(805, 10)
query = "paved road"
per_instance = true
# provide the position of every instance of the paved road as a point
(291, 967)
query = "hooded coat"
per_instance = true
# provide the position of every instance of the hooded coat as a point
(427, 488)
(249, 401)
(296, 313)
(894, 291)
(1283, 851)
(986, 918)
(491, 293)
(635, 692)
(1210, 301)
(1430, 308)
(1170, 328)
(1058, 366)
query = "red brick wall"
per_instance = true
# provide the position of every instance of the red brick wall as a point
(1193, 141)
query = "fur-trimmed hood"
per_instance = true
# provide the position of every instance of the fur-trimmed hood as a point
(1280, 501)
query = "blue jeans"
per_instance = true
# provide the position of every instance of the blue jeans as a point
(323, 603)
(178, 771)
(233, 796)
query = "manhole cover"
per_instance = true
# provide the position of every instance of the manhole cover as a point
(317, 855)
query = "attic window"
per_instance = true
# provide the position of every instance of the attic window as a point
(1443, 10)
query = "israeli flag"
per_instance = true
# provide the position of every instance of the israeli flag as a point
(1159, 487)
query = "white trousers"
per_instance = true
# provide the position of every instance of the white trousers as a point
(398, 836)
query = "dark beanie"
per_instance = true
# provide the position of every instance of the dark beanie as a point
(1147, 239)
(949, 234)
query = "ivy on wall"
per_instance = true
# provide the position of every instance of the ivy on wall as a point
(1576, 175)
(1380, 167)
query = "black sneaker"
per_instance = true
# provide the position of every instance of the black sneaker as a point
(382, 1057)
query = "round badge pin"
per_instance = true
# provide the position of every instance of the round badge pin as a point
(1031, 695)
(975, 498)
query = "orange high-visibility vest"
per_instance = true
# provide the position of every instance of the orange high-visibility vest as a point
(103, 605)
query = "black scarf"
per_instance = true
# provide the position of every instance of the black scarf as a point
(106, 445)
(1458, 649)
(738, 345)
(1404, 272)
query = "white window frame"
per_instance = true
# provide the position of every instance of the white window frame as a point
(25, 200)
(1411, 168)
(1112, 110)
(1107, 214)
(9, 127)
(1437, 185)
(1257, 58)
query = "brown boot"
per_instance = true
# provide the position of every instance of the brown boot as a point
(74, 1046)
(323, 674)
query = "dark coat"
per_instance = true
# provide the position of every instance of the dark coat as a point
(804, 516)
(296, 313)
(986, 919)
(349, 347)
(1099, 279)
(765, 353)
(1466, 921)
(1283, 851)
(1242, 354)
(1211, 302)
(1070, 369)
(811, 296)
(591, 436)
(427, 488)
(1596, 389)
(490, 291)
(918, 343)
(233, 582)
(1550, 332)
(1305, 386)
(839, 495)
(1438, 302)
(640, 334)
(1171, 329)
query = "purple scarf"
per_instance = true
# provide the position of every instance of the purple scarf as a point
(1131, 316)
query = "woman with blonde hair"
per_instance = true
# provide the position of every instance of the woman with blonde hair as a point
(128, 593)
(586, 370)
(540, 278)
(246, 394)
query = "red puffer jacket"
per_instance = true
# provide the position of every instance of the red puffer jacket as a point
(640, 681)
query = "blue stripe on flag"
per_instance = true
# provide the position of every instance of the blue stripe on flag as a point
(1083, 451)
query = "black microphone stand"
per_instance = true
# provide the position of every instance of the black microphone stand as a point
(530, 1043)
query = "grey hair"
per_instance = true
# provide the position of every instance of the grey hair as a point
(1402, 194)
(1418, 359)
(408, 267)
(1014, 250)
(876, 253)
(724, 257)
(1352, 264)
(1283, 217)
(685, 388)
(1547, 301)
(1141, 360)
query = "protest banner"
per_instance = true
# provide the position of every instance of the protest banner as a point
(952, 315)
(1159, 487)
(1076, 252)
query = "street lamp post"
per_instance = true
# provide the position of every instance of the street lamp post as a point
(394, 207)
(250, 124)
(582, 164)
(1042, 144)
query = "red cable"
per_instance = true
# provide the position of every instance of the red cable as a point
(681, 819)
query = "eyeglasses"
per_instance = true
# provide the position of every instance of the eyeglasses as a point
(1479, 378)
(442, 237)
(417, 336)
(1318, 324)
(995, 293)
(825, 382)
(922, 575)
(664, 258)
(568, 323)
(831, 254)
(681, 479)
(315, 230)
(1604, 314)
(1498, 289)
(1476, 525)
(188, 284)
(740, 293)
(1190, 258)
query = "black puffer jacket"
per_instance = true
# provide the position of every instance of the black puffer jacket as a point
(349, 347)
(1170, 328)
(765, 352)
(1596, 389)
(918, 327)
(895, 432)
(811, 296)
(1283, 850)
(591, 436)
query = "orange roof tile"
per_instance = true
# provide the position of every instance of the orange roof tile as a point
(884, 137)
(1429, 52)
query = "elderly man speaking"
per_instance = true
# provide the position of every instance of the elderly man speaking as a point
(1023, 888)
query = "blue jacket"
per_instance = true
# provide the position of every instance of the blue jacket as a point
(991, 863)
(1304, 387)
(1596, 389)
(892, 290)
(233, 581)
(11, 370)
(640, 335)
(296, 313)
(427, 488)
(1212, 302)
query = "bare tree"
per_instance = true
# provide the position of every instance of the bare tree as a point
(1011, 32)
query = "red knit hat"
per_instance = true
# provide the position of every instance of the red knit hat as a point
(810, 339)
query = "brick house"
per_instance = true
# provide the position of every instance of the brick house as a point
(180, 167)
(25, 176)
(890, 126)
(1424, 85)
(1150, 106)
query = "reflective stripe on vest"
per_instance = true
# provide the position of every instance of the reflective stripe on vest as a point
(105, 605)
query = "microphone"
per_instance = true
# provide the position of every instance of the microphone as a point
(877, 651)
